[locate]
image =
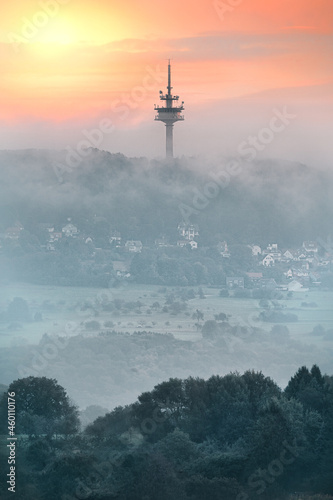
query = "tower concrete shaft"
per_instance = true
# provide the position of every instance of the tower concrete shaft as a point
(169, 114)
(169, 140)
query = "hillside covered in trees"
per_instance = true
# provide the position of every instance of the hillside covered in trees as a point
(142, 199)
(237, 437)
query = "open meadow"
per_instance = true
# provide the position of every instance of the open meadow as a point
(108, 345)
(62, 310)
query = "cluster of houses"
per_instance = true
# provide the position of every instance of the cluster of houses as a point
(300, 265)
(188, 233)
(258, 281)
(69, 230)
(273, 254)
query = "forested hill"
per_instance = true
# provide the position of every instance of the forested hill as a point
(237, 437)
(142, 199)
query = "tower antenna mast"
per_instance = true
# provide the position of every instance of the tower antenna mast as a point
(169, 114)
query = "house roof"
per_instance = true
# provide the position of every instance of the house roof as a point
(254, 275)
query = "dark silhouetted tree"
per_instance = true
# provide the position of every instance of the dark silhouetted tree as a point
(42, 407)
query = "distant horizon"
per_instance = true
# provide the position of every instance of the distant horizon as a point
(67, 68)
(214, 159)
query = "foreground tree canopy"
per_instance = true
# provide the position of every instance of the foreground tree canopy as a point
(236, 437)
(42, 407)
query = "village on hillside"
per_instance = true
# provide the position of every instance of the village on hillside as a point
(270, 267)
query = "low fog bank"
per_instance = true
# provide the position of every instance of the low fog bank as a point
(241, 201)
(111, 369)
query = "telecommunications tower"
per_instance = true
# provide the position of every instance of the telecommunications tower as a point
(169, 114)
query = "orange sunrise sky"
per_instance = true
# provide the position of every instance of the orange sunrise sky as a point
(68, 64)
